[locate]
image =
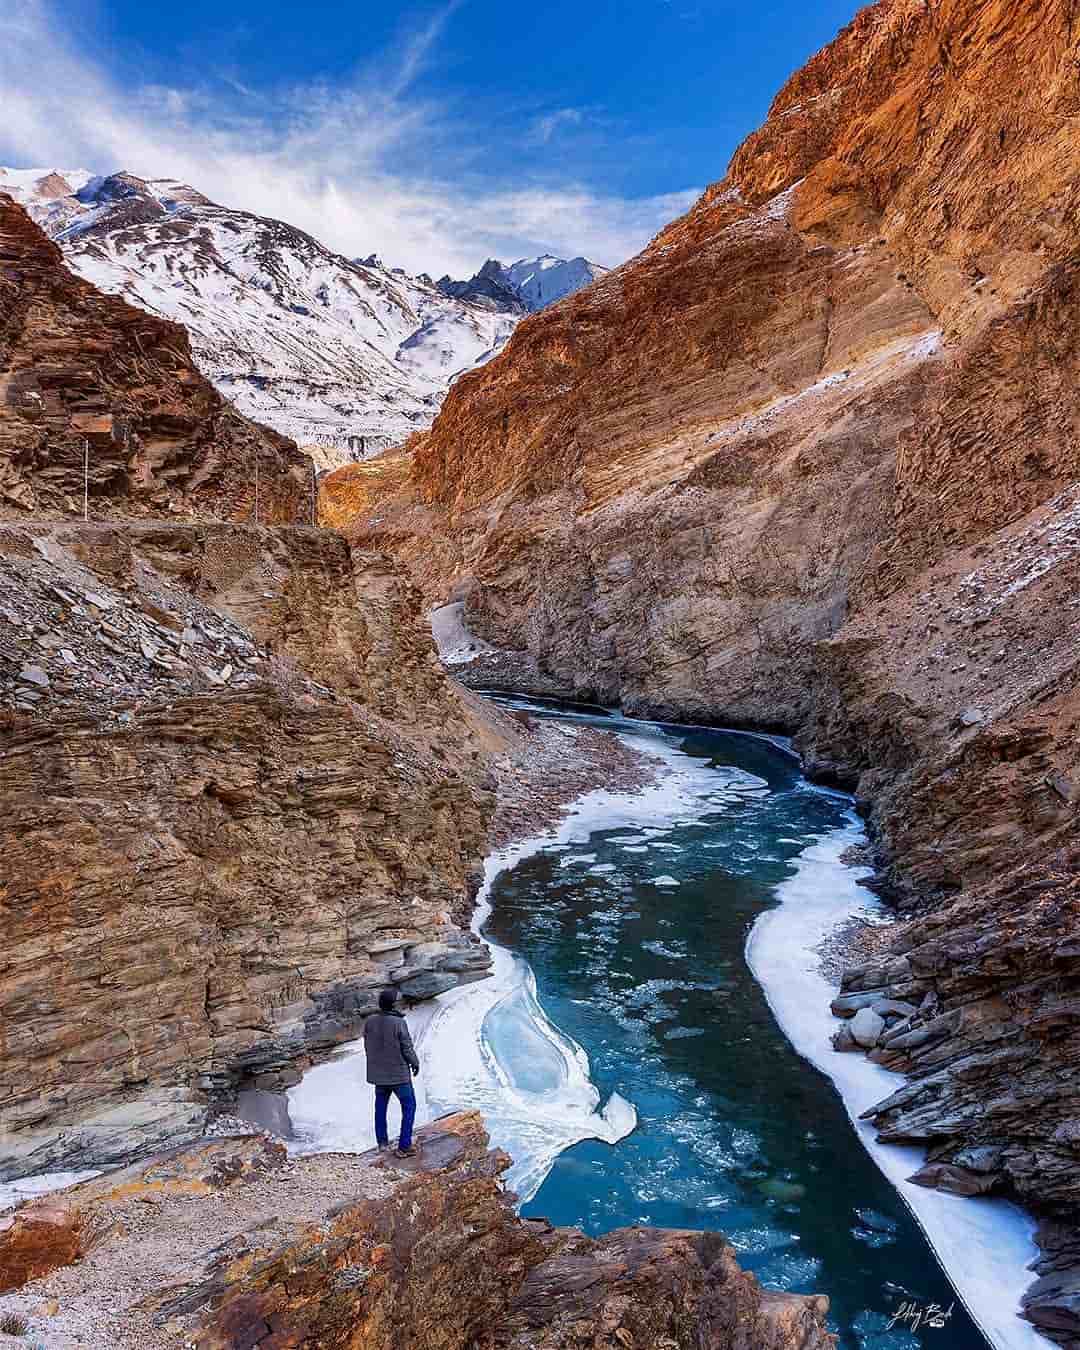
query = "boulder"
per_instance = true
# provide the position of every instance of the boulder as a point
(866, 1027)
(847, 1005)
(1053, 1304)
(894, 1007)
(843, 1039)
(428, 984)
(476, 959)
(953, 1179)
(267, 1111)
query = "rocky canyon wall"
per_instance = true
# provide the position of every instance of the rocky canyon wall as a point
(811, 461)
(239, 797)
(239, 793)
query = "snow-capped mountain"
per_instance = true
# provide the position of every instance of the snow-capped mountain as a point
(336, 353)
(541, 281)
(533, 282)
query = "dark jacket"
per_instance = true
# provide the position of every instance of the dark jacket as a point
(389, 1049)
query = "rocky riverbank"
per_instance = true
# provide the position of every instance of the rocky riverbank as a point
(553, 765)
(229, 1244)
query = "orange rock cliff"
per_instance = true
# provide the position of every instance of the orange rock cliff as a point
(811, 462)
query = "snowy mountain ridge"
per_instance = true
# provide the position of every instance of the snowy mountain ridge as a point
(347, 356)
(532, 282)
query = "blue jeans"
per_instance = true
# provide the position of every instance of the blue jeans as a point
(407, 1097)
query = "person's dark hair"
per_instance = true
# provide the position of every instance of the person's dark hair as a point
(387, 999)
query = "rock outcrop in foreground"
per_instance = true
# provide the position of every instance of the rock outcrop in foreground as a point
(812, 461)
(230, 1244)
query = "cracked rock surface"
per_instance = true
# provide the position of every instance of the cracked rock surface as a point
(230, 1244)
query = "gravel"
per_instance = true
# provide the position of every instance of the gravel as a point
(166, 1240)
(557, 764)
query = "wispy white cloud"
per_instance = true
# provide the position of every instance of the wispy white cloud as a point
(369, 165)
(418, 47)
(546, 125)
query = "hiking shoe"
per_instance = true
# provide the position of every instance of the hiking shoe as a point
(409, 1152)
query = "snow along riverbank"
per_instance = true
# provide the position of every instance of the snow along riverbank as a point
(491, 1045)
(540, 1101)
(984, 1245)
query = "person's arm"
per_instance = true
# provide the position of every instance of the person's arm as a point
(408, 1050)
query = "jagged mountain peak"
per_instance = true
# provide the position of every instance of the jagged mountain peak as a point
(489, 286)
(42, 184)
(532, 282)
(120, 186)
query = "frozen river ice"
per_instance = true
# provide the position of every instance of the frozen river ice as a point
(654, 1048)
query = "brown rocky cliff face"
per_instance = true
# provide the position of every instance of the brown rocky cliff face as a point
(77, 366)
(240, 794)
(809, 461)
(930, 157)
(239, 797)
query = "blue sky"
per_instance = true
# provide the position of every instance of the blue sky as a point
(435, 134)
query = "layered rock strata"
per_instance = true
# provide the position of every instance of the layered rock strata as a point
(239, 793)
(239, 797)
(811, 462)
(102, 408)
(347, 1251)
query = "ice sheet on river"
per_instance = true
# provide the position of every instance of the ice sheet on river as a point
(491, 1045)
(984, 1245)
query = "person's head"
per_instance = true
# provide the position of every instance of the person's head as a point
(387, 999)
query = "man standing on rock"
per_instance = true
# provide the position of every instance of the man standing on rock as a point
(391, 1062)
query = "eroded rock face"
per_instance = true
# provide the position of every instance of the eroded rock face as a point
(244, 799)
(239, 793)
(427, 1254)
(810, 462)
(86, 378)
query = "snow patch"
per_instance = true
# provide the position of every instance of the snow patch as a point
(455, 642)
(1052, 538)
(13, 1193)
(984, 1245)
